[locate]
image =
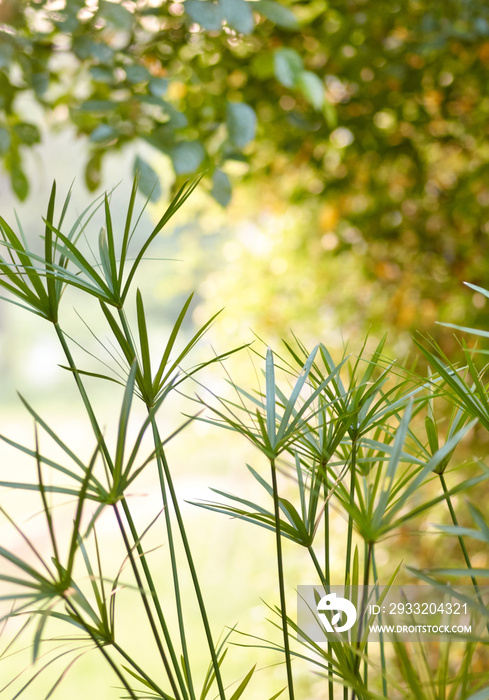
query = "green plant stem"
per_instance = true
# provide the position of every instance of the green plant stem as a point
(114, 668)
(317, 566)
(190, 561)
(143, 596)
(366, 576)
(349, 537)
(138, 669)
(171, 541)
(327, 569)
(281, 581)
(134, 534)
(102, 649)
(173, 559)
(159, 611)
(383, 664)
(461, 541)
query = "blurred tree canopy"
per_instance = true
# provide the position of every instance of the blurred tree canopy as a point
(372, 118)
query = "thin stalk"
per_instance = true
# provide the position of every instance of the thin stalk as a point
(138, 669)
(159, 611)
(144, 597)
(169, 530)
(366, 575)
(173, 559)
(116, 670)
(368, 556)
(132, 527)
(325, 584)
(84, 395)
(171, 545)
(383, 664)
(327, 570)
(317, 566)
(191, 565)
(349, 537)
(461, 541)
(281, 582)
(102, 649)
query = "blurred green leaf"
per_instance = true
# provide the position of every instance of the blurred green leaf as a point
(221, 188)
(241, 123)
(86, 48)
(149, 183)
(20, 184)
(27, 133)
(158, 86)
(93, 175)
(237, 14)
(4, 140)
(312, 88)
(40, 83)
(205, 13)
(101, 74)
(278, 14)
(103, 133)
(187, 157)
(6, 51)
(136, 73)
(288, 67)
(116, 15)
(98, 106)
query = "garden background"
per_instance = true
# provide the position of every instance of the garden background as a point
(345, 154)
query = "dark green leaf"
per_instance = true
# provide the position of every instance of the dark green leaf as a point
(221, 188)
(98, 106)
(205, 13)
(158, 86)
(27, 133)
(241, 123)
(238, 15)
(6, 52)
(288, 67)
(143, 339)
(93, 175)
(4, 140)
(312, 88)
(101, 74)
(103, 133)
(20, 184)
(85, 49)
(187, 157)
(276, 13)
(40, 83)
(148, 181)
(116, 15)
(136, 73)
(177, 120)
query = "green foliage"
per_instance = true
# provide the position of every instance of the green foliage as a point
(355, 444)
(372, 118)
(361, 435)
